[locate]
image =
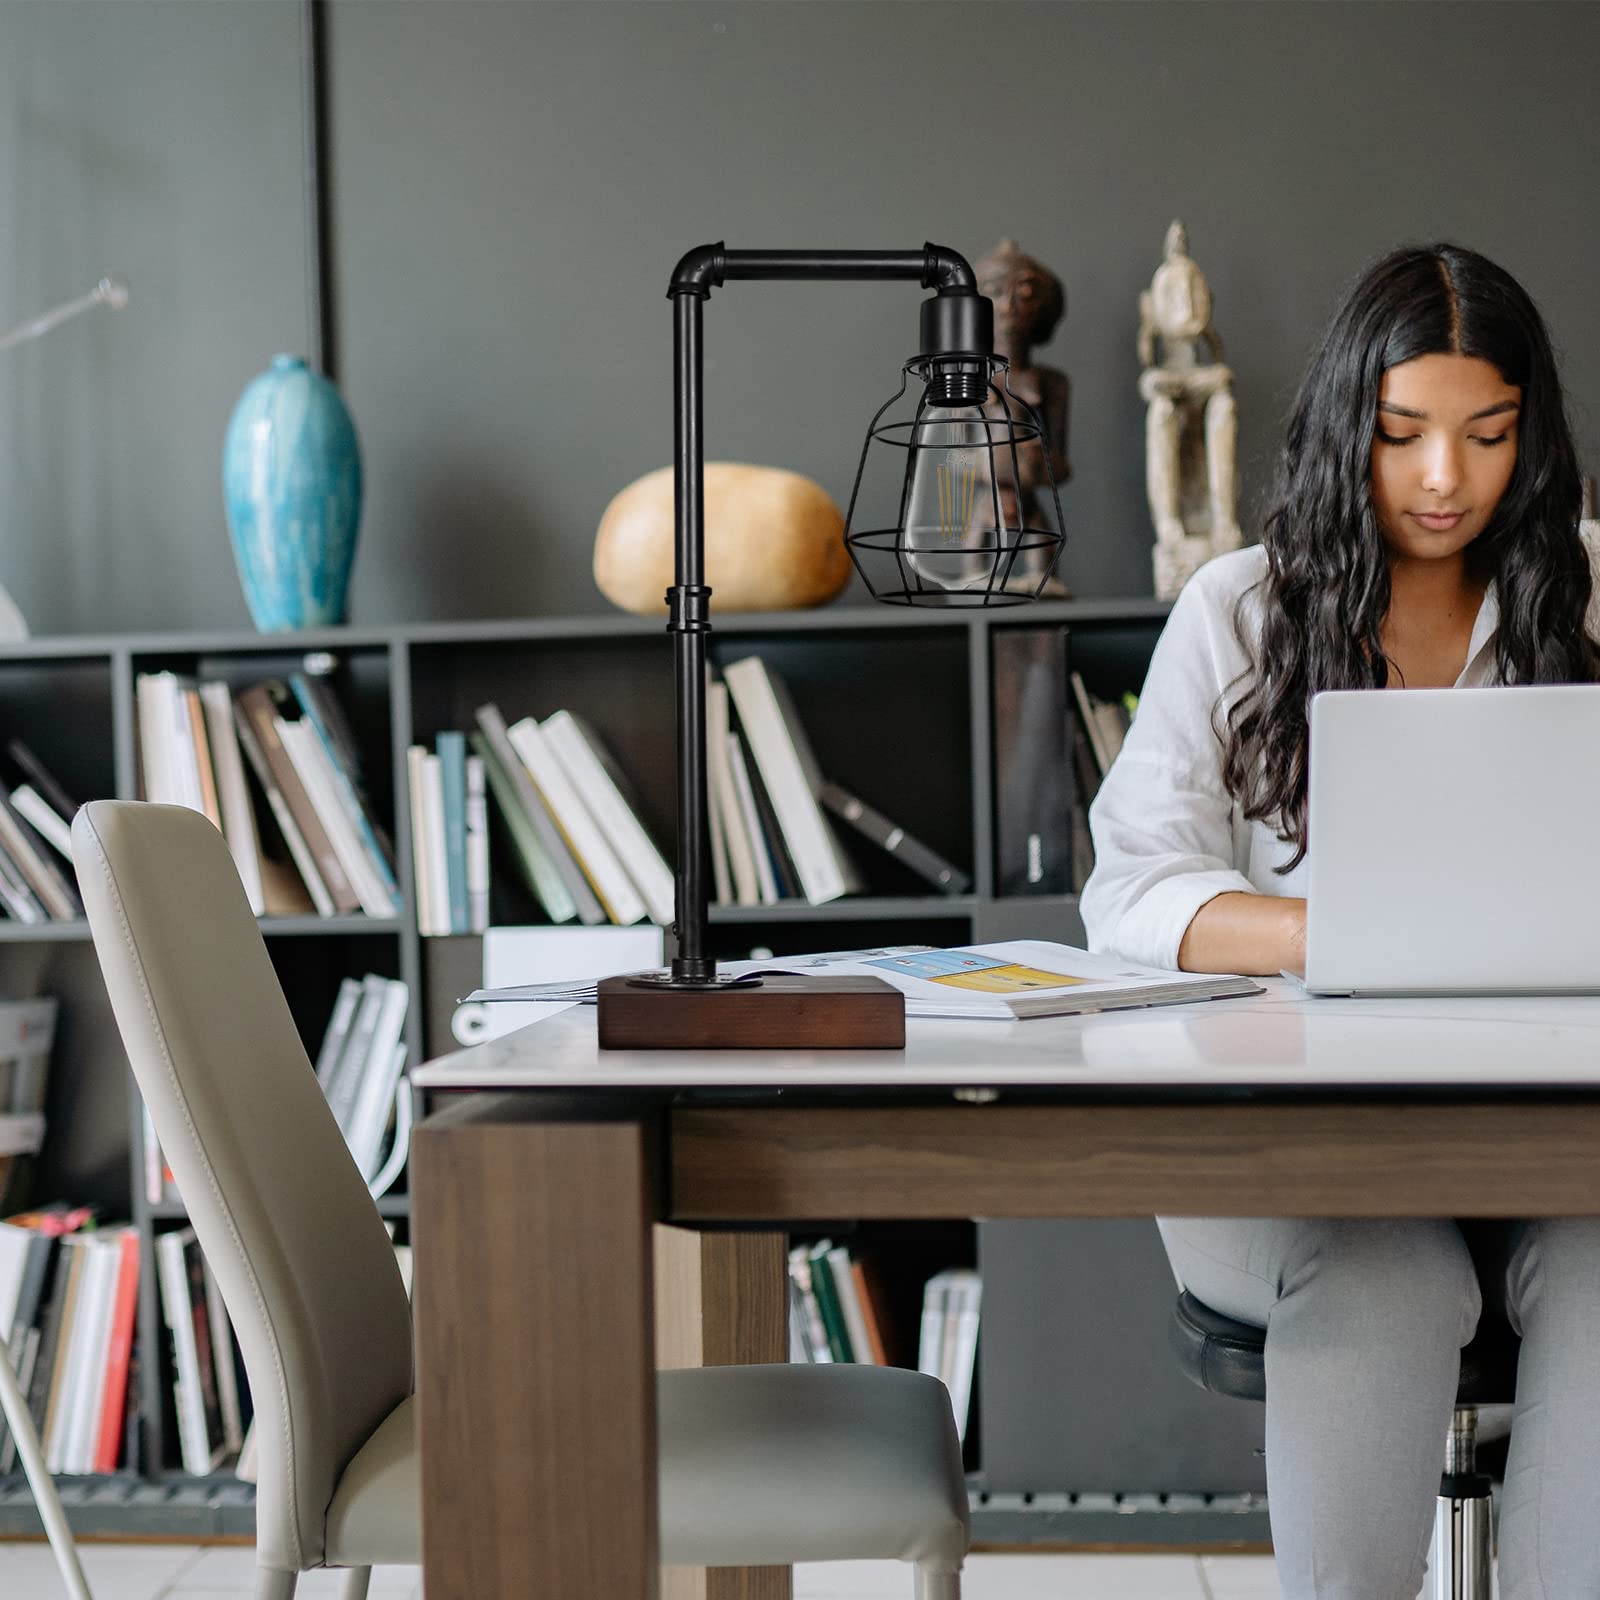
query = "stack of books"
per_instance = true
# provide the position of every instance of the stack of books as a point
(570, 815)
(947, 1347)
(772, 809)
(297, 745)
(360, 1065)
(833, 1307)
(205, 1386)
(68, 1294)
(35, 822)
(1101, 727)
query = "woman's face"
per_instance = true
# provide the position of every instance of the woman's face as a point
(1442, 453)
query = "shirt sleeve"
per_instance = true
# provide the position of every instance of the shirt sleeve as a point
(1162, 822)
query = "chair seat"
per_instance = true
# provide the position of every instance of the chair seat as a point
(760, 1466)
(1228, 1357)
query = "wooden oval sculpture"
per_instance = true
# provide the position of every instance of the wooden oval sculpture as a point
(774, 541)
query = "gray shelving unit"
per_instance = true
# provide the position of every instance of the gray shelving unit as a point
(896, 703)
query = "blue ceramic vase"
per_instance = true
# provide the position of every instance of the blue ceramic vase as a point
(291, 481)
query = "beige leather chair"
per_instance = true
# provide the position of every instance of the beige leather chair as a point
(759, 1465)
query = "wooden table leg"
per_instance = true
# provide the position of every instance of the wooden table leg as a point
(722, 1299)
(535, 1359)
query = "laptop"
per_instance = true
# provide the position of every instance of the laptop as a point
(1455, 842)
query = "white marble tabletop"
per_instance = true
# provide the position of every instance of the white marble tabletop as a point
(1279, 1039)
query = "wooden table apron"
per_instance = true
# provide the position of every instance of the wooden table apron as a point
(537, 1263)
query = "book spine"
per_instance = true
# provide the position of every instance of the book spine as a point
(451, 749)
(828, 1304)
(623, 903)
(299, 850)
(1032, 762)
(346, 795)
(37, 814)
(538, 867)
(421, 862)
(589, 910)
(778, 758)
(119, 1353)
(741, 855)
(201, 746)
(477, 827)
(816, 1333)
(766, 879)
(873, 825)
(316, 773)
(233, 794)
(259, 712)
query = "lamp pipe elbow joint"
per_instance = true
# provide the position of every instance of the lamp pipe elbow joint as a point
(944, 269)
(699, 270)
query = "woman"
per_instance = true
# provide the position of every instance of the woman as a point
(1425, 535)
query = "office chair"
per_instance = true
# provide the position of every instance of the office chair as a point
(1228, 1357)
(867, 1465)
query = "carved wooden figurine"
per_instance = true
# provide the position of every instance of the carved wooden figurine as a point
(1029, 303)
(1192, 422)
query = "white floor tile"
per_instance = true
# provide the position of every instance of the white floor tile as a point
(852, 1580)
(1087, 1577)
(114, 1572)
(1241, 1577)
(230, 1569)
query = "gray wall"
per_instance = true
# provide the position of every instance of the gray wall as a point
(511, 184)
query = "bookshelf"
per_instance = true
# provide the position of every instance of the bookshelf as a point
(897, 707)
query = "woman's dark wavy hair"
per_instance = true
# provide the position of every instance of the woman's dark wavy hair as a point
(1326, 588)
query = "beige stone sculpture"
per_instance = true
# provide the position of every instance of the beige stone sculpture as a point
(774, 540)
(1191, 425)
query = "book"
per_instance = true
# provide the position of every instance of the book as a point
(227, 1377)
(623, 903)
(553, 847)
(827, 1294)
(1090, 722)
(422, 848)
(913, 853)
(850, 1307)
(746, 886)
(320, 779)
(44, 821)
(181, 1276)
(201, 746)
(948, 1341)
(344, 1077)
(369, 1111)
(338, 1029)
(1034, 790)
(779, 747)
(1003, 982)
(276, 894)
(750, 821)
(320, 712)
(55, 892)
(451, 750)
(233, 793)
(108, 1425)
(434, 831)
(599, 783)
(258, 710)
(39, 776)
(477, 847)
(538, 867)
(816, 1334)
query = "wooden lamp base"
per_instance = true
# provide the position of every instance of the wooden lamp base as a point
(781, 1012)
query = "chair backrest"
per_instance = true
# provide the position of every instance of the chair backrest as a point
(303, 1260)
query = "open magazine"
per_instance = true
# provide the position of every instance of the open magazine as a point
(1004, 982)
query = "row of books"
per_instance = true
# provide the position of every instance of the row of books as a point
(569, 813)
(68, 1295)
(833, 1307)
(35, 829)
(835, 1314)
(360, 1065)
(205, 1385)
(947, 1343)
(772, 809)
(299, 750)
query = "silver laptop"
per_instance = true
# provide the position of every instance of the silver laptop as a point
(1455, 842)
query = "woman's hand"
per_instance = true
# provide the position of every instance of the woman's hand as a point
(1259, 934)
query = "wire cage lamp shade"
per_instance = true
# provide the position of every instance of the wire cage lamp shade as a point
(942, 512)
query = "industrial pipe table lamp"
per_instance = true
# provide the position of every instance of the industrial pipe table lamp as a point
(951, 534)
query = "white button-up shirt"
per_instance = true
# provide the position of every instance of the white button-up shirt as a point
(1168, 836)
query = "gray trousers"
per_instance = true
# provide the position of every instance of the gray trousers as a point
(1365, 1321)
